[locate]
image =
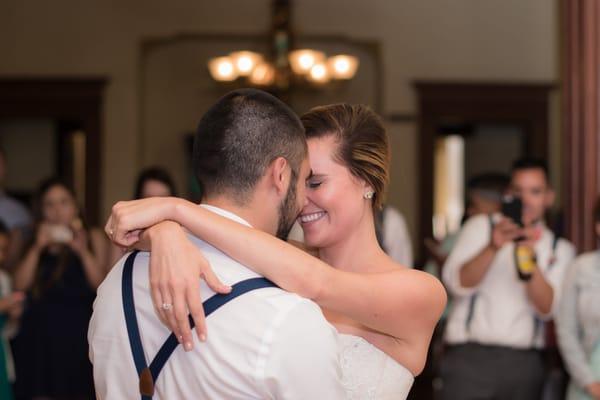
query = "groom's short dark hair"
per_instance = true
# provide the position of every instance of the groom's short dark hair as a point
(239, 137)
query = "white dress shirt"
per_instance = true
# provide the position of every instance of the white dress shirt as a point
(267, 344)
(578, 319)
(502, 313)
(396, 239)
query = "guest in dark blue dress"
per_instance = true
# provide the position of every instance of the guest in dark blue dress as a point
(60, 273)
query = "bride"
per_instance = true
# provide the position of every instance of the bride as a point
(385, 313)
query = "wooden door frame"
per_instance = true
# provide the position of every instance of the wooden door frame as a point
(439, 103)
(580, 20)
(53, 98)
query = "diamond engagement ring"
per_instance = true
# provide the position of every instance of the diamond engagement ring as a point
(167, 306)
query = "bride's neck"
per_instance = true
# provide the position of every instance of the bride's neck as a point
(357, 250)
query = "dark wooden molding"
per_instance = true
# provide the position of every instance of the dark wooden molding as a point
(581, 118)
(443, 102)
(63, 98)
(401, 117)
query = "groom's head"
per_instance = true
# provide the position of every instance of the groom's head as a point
(250, 149)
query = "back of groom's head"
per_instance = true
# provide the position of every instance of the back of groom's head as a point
(239, 137)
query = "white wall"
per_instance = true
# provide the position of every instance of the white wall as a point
(505, 40)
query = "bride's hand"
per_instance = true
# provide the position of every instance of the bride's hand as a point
(129, 218)
(176, 266)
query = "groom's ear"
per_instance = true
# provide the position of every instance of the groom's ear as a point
(280, 176)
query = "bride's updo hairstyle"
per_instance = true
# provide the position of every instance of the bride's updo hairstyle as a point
(363, 142)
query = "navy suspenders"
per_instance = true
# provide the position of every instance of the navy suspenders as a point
(149, 374)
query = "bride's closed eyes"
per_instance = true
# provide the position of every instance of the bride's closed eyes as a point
(314, 182)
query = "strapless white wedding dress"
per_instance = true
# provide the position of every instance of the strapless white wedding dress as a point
(370, 374)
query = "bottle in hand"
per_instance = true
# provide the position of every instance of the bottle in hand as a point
(525, 261)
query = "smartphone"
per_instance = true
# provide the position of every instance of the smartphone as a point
(60, 234)
(512, 207)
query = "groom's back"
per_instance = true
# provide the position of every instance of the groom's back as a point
(267, 343)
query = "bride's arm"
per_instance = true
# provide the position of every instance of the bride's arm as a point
(402, 303)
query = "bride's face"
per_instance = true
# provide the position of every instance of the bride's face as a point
(335, 203)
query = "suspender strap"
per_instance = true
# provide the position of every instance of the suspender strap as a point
(133, 330)
(471, 311)
(552, 260)
(210, 306)
(492, 224)
(555, 242)
(149, 375)
(538, 324)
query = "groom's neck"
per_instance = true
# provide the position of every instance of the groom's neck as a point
(249, 212)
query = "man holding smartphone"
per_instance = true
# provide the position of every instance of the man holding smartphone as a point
(505, 277)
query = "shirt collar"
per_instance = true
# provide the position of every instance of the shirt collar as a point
(226, 214)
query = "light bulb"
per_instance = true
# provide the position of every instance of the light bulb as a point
(245, 61)
(343, 66)
(222, 69)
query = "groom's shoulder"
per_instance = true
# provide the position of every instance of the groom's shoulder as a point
(278, 301)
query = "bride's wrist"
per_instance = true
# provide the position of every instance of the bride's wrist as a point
(169, 212)
(179, 210)
(162, 229)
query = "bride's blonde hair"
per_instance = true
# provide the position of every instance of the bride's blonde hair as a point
(363, 142)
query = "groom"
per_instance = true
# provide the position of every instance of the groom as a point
(250, 156)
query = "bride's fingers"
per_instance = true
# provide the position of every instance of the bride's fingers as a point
(181, 317)
(158, 302)
(131, 238)
(212, 281)
(156, 293)
(194, 303)
(167, 307)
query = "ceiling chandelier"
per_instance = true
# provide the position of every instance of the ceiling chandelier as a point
(285, 66)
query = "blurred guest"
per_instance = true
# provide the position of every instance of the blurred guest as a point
(151, 182)
(484, 196)
(154, 182)
(393, 236)
(505, 276)
(60, 272)
(11, 305)
(578, 323)
(15, 216)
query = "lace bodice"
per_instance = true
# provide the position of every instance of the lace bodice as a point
(370, 374)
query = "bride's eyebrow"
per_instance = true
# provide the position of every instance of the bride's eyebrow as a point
(313, 175)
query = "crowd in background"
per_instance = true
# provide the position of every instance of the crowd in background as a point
(51, 263)
(518, 295)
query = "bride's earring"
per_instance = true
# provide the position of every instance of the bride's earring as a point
(369, 195)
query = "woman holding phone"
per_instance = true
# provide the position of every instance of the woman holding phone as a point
(59, 274)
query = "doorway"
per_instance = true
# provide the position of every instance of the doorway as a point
(51, 127)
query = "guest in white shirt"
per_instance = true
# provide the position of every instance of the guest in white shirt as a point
(494, 329)
(393, 235)
(250, 155)
(578, 323)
